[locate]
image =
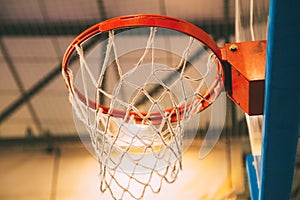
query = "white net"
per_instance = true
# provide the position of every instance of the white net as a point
(251, 20)
(134, 101)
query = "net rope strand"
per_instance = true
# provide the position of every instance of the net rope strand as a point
(251, 20)
(131, 175)
(150, 154)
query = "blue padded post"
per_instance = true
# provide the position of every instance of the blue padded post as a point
(282, 100)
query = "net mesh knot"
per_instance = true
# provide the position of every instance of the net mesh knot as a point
(136, 128)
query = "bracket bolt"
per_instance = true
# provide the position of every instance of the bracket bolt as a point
(233, 47)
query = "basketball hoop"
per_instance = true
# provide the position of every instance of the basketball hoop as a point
(135, 98)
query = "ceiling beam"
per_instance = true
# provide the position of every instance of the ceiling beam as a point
(47, 141)
(27, 95)
(102, 10)
(217, 28)
(20, 86)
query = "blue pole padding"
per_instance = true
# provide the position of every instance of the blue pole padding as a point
(282, 100)
(252, 178)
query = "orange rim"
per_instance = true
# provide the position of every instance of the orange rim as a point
(147, 20)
